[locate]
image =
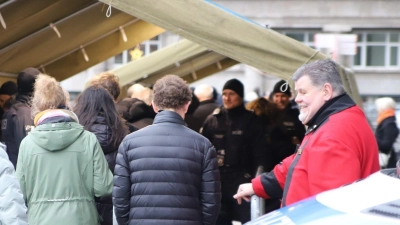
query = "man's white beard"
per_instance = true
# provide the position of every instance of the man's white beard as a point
(303, 116)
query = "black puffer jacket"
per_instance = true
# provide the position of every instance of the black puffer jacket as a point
(166, 174)
(103, 134)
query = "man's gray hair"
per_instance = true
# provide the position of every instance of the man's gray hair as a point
(385, 103)
(321, 72)
(204, 91)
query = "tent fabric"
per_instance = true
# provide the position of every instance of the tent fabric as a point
(226, 33)
(211, 26)
(30, 41)
(26, 17)
(183, 59)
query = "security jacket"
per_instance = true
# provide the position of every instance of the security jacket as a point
(238, 137)
(339, 148)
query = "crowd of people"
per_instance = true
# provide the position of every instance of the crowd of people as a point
(169, 154)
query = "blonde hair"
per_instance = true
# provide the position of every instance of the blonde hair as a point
(134, 90)
(47, 94)
(145, 95)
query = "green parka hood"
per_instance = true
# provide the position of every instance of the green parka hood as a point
(63, 135)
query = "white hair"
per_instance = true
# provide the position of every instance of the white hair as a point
(385, 103)
(203, 92)
(134, 90)
(145, 95)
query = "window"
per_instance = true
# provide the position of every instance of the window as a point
(306, 38)
(378, 49)
(146, 47)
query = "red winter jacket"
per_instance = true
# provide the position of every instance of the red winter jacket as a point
(339, 148)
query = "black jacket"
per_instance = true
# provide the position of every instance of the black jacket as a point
(281, 133)
(386, 134)
(166, 174)
(238, 137)
(136, 112)
(15, 125)
(110, 150)
(205, 109)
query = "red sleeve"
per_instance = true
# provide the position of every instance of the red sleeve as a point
(258, 187)
(282, 169)
(270, 185)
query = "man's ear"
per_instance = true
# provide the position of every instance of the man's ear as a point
(328, 91)
(155, 108)
(186, 106)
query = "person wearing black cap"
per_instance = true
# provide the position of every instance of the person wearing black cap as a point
(7, 90)
(288, 130)
(17, 122)
(238, 138)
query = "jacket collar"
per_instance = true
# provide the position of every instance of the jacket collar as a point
(333, 106)
(25, 99)
(166, 116)
(236, 111)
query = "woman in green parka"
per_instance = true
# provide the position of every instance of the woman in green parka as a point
(61, 167)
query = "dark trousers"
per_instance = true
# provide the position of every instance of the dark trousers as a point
(105, 212)
(230, 209)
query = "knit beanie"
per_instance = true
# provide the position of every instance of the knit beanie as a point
(26, 79)
(234, 85)
(8, 88)
(278, 88)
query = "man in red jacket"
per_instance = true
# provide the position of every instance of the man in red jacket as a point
(339, 146)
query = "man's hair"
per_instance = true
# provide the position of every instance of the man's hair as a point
(204, 91)
(171, 92)
(108, 81)
(48, 94)
(321, 72)
(385, 103)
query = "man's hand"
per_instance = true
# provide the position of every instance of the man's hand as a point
(244, 192)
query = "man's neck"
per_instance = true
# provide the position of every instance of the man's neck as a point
(180, 111)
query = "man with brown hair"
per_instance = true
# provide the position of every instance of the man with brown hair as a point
(108, 81)
(171, 169)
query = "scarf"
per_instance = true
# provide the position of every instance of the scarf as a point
(53, 113)
(385, 114)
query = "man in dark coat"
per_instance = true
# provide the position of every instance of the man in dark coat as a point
(17, 121)
(238, 137)
(288, 131)
(7, 92)
(167, 173)
(204, 94)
